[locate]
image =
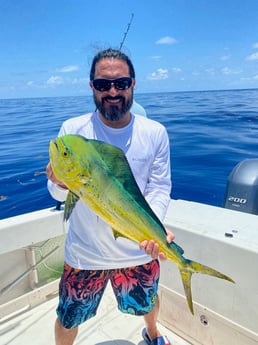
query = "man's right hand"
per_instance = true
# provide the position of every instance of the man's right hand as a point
(51, 176)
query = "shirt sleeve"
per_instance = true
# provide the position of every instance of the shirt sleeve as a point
(58, 193)
(158, 189)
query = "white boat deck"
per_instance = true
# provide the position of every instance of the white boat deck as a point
(108, 327)
(224, 313)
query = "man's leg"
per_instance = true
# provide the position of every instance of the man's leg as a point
(64, 336)
(151, 322)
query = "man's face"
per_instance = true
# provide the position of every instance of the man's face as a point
(112, 104)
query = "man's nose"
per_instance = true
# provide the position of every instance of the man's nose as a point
(113, 90)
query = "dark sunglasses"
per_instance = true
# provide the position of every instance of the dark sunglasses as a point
(102, 85)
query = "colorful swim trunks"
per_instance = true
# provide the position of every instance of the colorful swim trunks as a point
(80, 291)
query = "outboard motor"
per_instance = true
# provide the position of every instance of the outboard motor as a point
(242, 187)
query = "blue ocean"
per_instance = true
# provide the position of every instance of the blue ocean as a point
(210, 132)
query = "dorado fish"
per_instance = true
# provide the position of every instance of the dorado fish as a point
(99, 174)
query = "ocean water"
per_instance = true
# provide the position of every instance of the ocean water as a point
(210, 132)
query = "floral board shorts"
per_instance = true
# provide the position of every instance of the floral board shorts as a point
(80, 291)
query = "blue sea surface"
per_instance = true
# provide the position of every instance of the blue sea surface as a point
(210, 132)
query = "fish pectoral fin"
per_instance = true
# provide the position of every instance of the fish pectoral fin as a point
(118, 234)
(70, 203)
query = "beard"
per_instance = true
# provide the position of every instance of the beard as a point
(113, 112)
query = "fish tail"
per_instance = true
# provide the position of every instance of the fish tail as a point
(191, 267)
(186, 279)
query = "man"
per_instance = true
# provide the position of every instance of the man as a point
(92, 255)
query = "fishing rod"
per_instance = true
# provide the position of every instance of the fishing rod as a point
(126, 32)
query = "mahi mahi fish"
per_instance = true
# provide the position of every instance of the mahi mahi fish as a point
(99, 174)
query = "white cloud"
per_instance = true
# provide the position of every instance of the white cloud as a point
(159, 74)
(226, 71)
(55, 80)
(166, 40)
(30, 83)
(78, 81)
(252, 57)
(255, 77)
(156, 57)
(255, 45)
(196, 73)
(229, 71)
(224, 57)
(67, 69)
(176, 70)
(211, 71)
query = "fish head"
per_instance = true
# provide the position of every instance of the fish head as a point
(65, 157)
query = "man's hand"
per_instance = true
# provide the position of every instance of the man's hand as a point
(51, 176)
(152, 248)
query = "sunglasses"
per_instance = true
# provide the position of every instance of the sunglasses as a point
(102, 85)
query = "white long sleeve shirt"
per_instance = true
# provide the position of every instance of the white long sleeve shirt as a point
(90, 243)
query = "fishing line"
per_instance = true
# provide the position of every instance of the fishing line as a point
(126, 32)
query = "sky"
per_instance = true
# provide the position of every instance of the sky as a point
(46, 46)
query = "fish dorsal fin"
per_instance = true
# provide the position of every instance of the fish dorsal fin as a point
(70, 203)
(117, 164)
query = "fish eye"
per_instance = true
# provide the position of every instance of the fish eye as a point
(65, 153)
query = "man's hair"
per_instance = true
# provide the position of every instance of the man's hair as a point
(111, 53)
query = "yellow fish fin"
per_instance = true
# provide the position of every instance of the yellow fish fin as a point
(191, 267)
(70, 202)
(186, 279)
(118, 234)
(199, 268)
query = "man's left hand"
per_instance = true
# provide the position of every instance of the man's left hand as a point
(152, 248)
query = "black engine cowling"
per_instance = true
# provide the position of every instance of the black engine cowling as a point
(242, 187)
